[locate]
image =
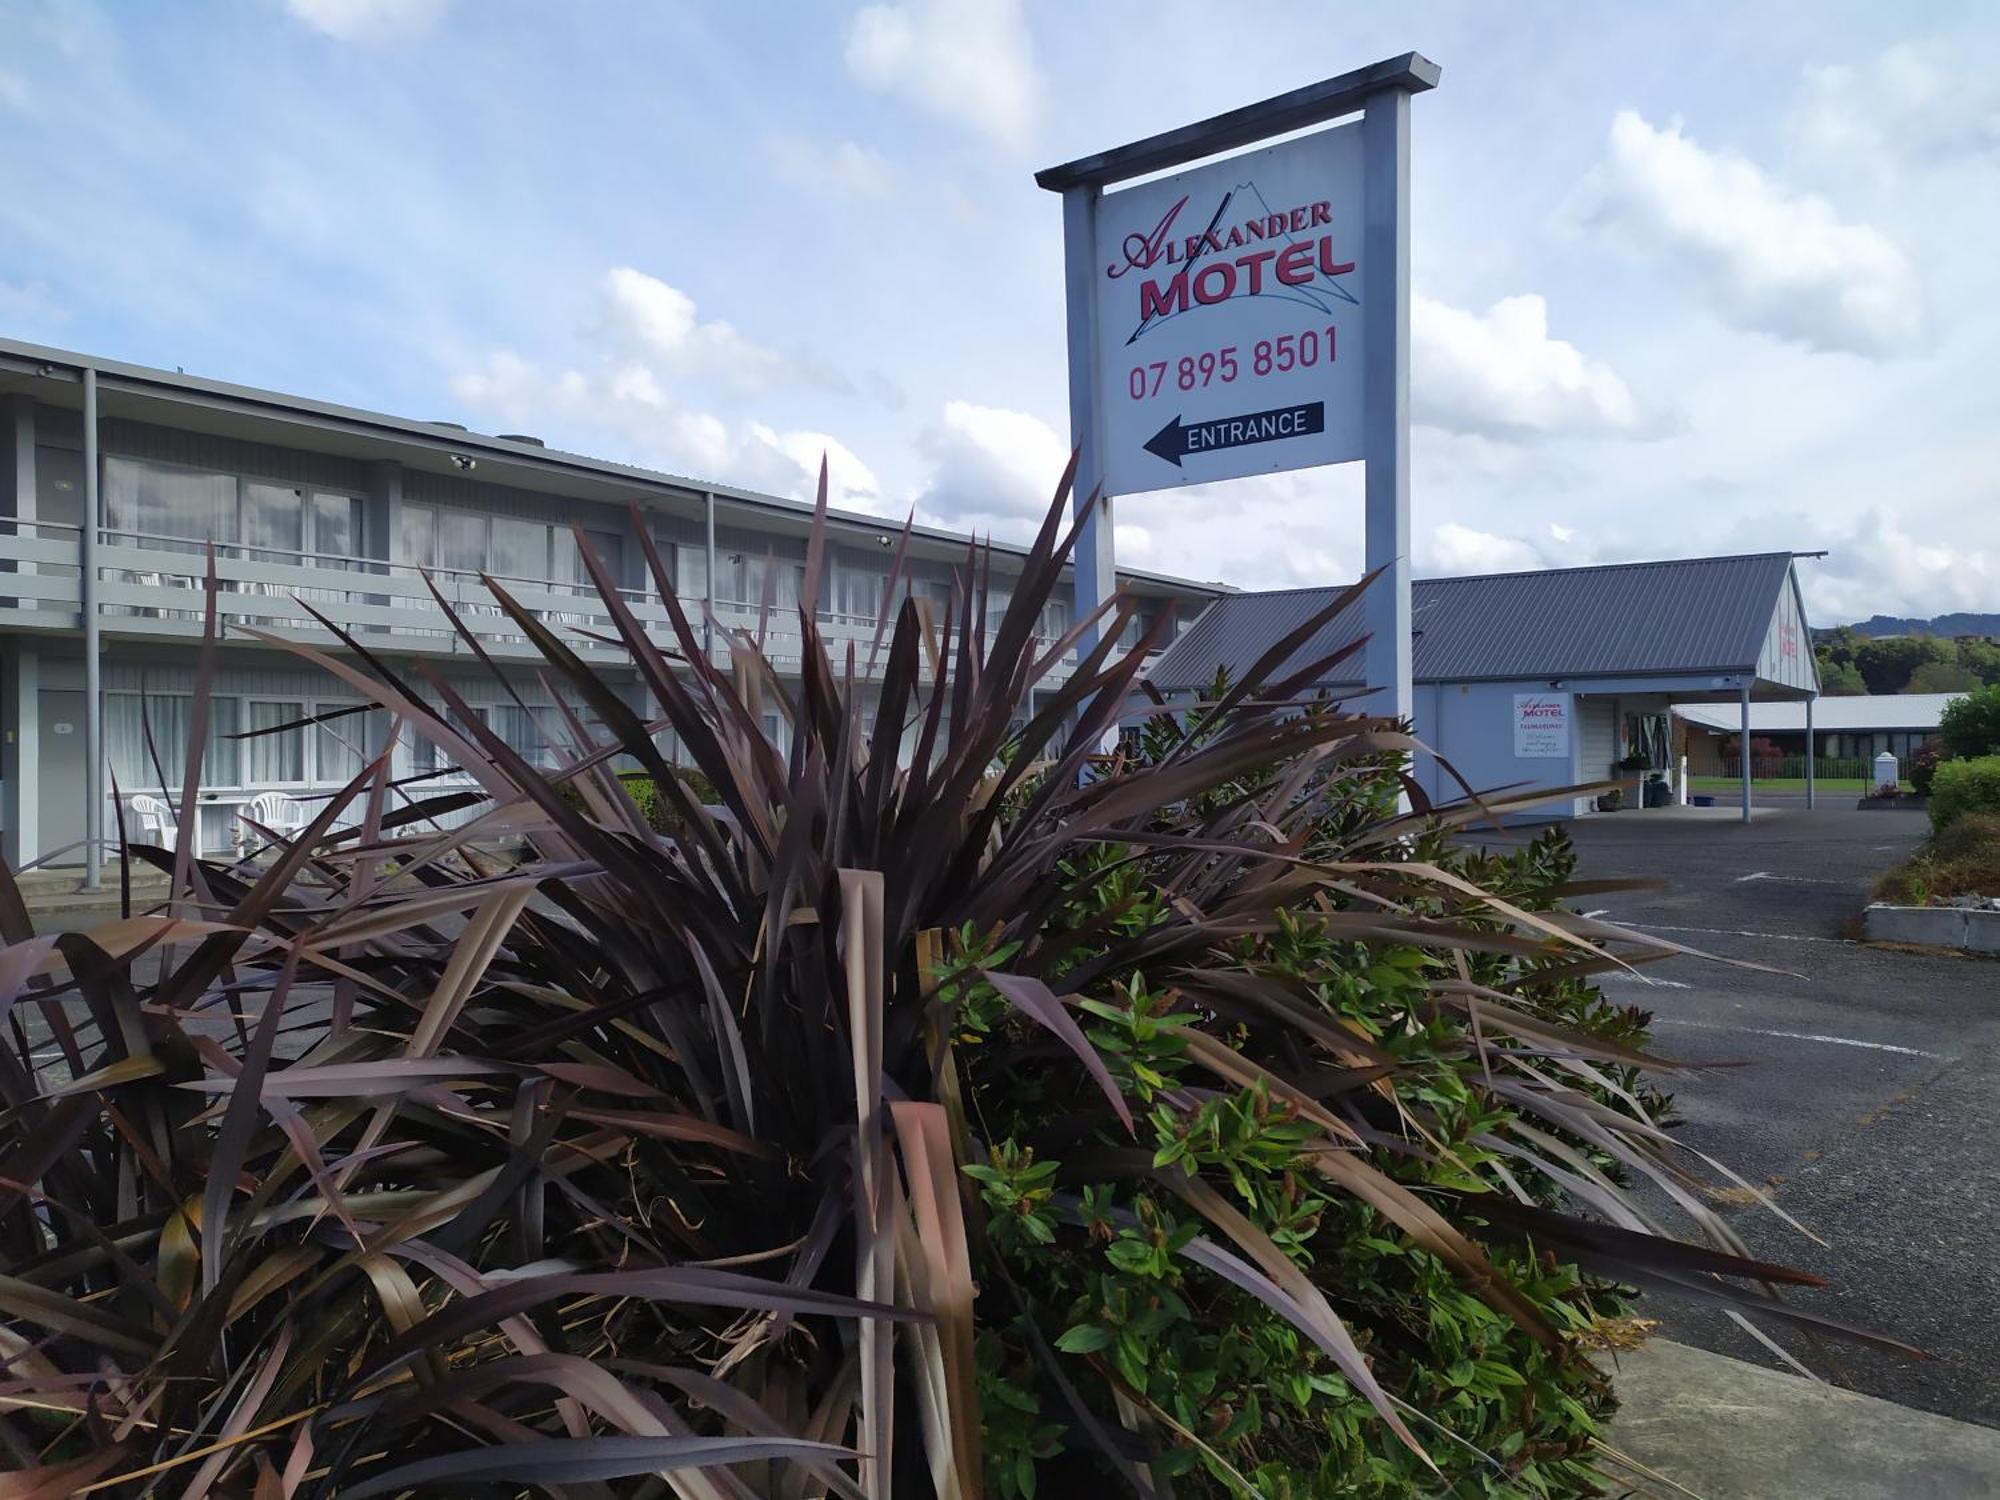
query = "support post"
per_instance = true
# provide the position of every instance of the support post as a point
(93, 685)
(1812, 753)
(708, 578)
(1746, 752)
(1095, 568)
(1385, 136)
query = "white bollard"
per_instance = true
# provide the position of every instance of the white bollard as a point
(1885, 769)
(1683, 782)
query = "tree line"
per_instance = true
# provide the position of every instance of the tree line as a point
(1852, 664)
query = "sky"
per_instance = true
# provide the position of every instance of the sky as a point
(1688, 278)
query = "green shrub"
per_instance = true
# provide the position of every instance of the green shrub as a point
(1971, 725)
(1960, 859)
(1924, 761)
(1964, 786)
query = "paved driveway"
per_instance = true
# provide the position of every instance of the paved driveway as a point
(1870, 1095)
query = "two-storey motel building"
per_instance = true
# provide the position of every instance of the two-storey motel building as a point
(115, 479)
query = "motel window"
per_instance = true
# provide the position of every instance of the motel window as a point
(461, 541)
(570, 568)
(273, 524)
(156, 501)
(427, 758)
(531, 733)
(520, 549)
(274, 759)
(336, 527)
(342, 745)
(1054, 621)
(997, 601)
(858, 594)
(691, 572)
(747, 578)
(416, 536)
(166, 718)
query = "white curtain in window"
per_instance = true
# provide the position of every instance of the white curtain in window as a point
(342, 746)
(169, 715)
(164, 502)
(530, 733)
(691, 573)
(275, 759)
(520, 549)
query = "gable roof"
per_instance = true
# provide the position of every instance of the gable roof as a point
(1684, 616)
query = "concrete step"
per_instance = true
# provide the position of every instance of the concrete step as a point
(1727, 1430)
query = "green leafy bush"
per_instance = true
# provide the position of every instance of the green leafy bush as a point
(1970, 726)
(1964, 786)
(938, 1110)
(1924, 761)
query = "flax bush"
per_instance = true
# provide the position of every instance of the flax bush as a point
(942, 1109)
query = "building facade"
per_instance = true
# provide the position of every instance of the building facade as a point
(1546, 680)
(116, 480)
(1847, 734)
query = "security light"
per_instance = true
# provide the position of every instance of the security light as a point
(464, 461)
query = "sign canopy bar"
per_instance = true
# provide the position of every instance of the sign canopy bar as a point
(1315, 103)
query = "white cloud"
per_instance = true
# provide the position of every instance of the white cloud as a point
(1771, 260)
(1907, 107)
(844, 168)
(850, 483)
(623, 411)
(991, 469)
(1499, 374)
(1455, 548)
(14, 92)
(370, 20)
(1878, 566)
(966, 61)
(657, 324)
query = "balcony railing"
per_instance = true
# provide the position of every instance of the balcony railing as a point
(151, 585)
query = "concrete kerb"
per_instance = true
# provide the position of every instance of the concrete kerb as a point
(1724, 1429)
(1965, 928)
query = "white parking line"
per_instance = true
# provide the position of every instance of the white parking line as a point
(1795, 879)
(1782, 937)
(1665, 984)
(1797, 1036)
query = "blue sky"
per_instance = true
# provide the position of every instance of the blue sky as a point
(1689, 278)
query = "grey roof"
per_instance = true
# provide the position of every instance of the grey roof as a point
(1912, 711)
(1691, 615)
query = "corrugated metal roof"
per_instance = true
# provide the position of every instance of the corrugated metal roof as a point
(1689, 615)
(1914, 711)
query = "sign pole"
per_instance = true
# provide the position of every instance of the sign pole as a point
(1095, 566)
(1385, 141)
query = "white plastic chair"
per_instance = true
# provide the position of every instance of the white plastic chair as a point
(273, 810)
(156, 819)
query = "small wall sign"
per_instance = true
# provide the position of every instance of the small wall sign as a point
(1541, 726)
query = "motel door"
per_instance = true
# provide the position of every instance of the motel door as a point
(63, 792)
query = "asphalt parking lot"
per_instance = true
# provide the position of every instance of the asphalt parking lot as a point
(1869, 1093)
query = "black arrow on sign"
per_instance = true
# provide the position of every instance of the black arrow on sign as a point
(1177, 439)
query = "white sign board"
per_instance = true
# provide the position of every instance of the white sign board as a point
(1541, 726)
(1229, 317)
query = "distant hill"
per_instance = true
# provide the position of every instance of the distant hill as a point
(1961, 623)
